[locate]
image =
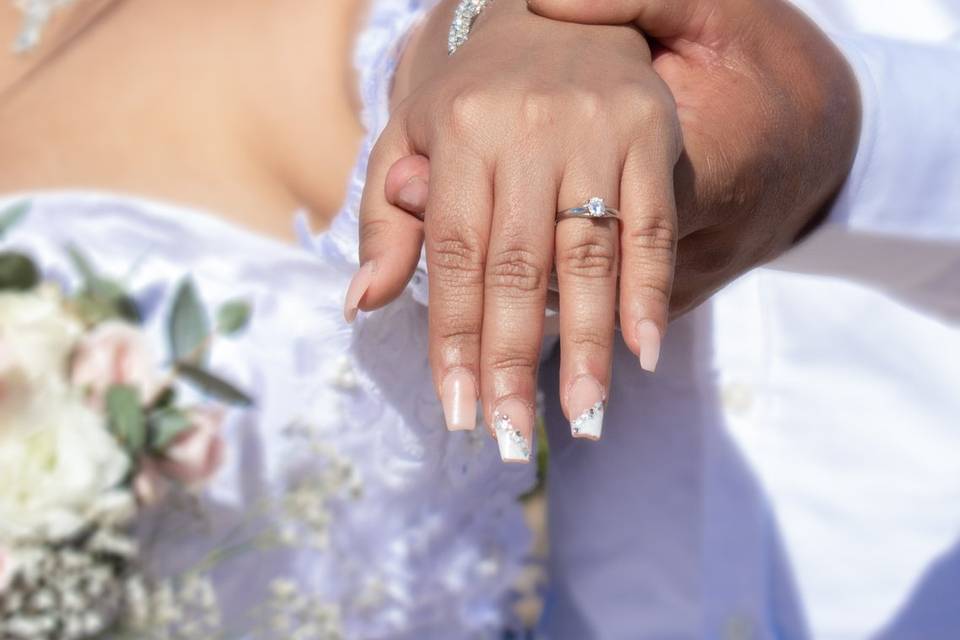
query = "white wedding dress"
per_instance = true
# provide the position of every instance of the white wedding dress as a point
(404, 529)
(344, 506)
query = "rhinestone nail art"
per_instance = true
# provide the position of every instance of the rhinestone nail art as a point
(513, 446)
(589, 424)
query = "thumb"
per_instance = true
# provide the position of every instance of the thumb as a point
(408, 184)
(657, 18)
(390, 238)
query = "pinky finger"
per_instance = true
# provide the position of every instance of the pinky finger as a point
(649, 247)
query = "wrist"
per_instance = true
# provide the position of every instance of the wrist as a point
(426, 52)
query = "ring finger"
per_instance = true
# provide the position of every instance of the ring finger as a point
(587, 257)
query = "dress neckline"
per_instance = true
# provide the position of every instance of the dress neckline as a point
(200, 219)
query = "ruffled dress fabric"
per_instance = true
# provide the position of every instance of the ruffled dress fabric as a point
(397, 527)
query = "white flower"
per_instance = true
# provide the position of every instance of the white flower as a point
(37, 337)
(57, 465)
(37, 330)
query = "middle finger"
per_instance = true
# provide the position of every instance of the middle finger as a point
(519, 259)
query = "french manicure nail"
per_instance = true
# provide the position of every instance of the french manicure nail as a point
(460, 401)
(361, 281)
(513, 424)
(585, 404)
(648, 337)
(413, 195)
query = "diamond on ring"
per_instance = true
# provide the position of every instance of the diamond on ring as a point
(595, 208)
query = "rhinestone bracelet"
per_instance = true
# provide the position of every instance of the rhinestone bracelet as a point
(463, 19)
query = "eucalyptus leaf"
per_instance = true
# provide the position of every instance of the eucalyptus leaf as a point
(12, 215)
(165, 425)
(83, 265)
(17, 272)
(127, 420)
(213, 385)
(233, 317)
(189, 325)
(101, 298)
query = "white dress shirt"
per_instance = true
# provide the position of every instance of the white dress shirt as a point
(793, 468)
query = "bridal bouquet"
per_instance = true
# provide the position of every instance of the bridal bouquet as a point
(92, 429)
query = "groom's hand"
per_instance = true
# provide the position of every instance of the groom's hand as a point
(770, 115)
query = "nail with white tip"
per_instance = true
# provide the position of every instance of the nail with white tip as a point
(513, 426)
(585, 404)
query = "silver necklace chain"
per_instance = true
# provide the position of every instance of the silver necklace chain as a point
(36, 14)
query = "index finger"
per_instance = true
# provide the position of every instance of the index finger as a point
(390, 238)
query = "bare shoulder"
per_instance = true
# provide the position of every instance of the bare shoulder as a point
(242, 105)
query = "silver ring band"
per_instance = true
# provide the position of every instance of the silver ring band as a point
(594, 208)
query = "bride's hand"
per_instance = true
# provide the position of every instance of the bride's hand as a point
(530, 117)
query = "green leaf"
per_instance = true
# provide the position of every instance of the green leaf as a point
(189, 326)
(17, 272)
(127, 421)
(101, 298)
(233, 317)
(213, 385)
(12, 215)
(165, 425)
(165, 399)
(82, 265)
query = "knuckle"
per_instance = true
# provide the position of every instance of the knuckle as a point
(655, 236)
(516, 271)
(536, 110)
(457, 258)
(374, 229)
(590, 105)
(656, 107)
(466, 112)
(591, 339)
(522, 361)
(459, 329)
(654, 293)
(589, 257)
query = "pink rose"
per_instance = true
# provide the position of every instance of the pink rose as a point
(196, 454)
(150, 486)
(7, 569)
(115, 353)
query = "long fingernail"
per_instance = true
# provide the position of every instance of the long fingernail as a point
(513, 424)
(413, 195)
(460, 401)
(585, 404)
(648, 337)
(361, 281)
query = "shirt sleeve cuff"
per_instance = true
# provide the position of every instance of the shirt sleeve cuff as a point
(896, 223)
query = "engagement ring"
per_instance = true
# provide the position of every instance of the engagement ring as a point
(592, 208)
